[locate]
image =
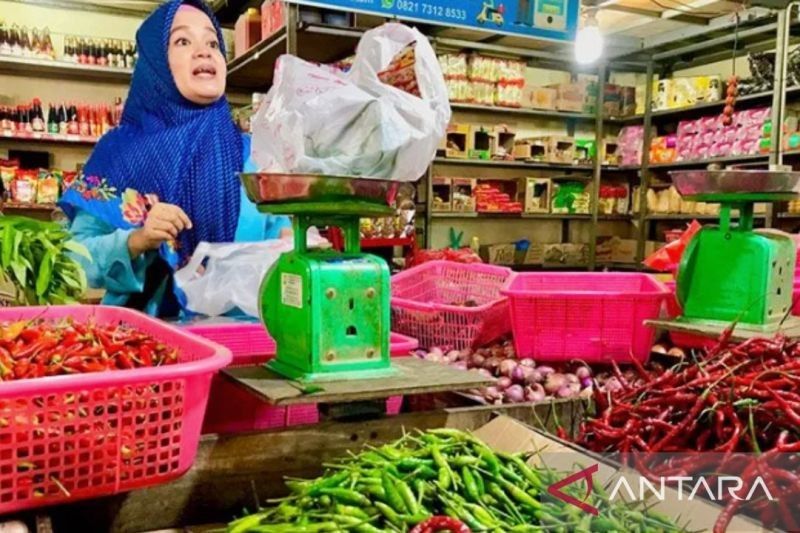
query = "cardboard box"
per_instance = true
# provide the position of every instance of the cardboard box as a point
(571, 97)
(504, 139)
(603, 249)
(457, 141)
(541, 98)
(609, 151)
(534, 255)
(566, 254)
(507, 435)
(624, 251)
(247, 31)
(537, 195)
(481, 143)
(560, 149)
(628, 101)
(463, 199)
(612, 100)
(442, 194)
(533, 149)
(499, 254)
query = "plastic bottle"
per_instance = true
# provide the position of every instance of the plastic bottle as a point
(475, 244)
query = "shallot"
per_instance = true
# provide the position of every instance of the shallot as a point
(555, 382)
(507, 367)
(515, 394)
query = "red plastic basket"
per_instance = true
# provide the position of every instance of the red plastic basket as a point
(232, 409)
(423, 301)
(594, 317)
(65, 438)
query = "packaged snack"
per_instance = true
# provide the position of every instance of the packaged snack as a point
(400, 73)
(8, 171)
(23, 187)
(48, 186)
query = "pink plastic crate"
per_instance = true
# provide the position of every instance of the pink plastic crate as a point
(423, 298)
(796, 297)
(591, 316)
(98, 434)
(232, 409)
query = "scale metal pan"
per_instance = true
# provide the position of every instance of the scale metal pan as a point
(737, 185)
(266, 188)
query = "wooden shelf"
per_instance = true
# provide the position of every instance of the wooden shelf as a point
(26, 66)
(510, 164)
(318, 43)
(384, 243)
(680, 216)
(515, 216)
(14, 206)
(711, 160)
(56, 138)
(542, 113)
(755, 98)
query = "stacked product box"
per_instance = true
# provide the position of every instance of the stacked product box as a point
(496, 197)
(629, 145)
(707, 137)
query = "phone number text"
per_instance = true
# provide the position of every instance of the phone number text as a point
(407, 6)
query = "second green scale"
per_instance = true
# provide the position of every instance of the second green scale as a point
(732, 272)
(327, 310)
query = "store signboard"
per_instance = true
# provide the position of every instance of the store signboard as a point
(543, 19)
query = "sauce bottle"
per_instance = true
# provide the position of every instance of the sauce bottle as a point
(73, 127)
(82, 52)
(36, 44)
(14, 40)
(5, 45)
(52, 120)
(36, 116)
(62, 120)
(48, 50)
(24, 42)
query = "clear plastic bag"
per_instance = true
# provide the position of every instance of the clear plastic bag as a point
(314, 120)
(223, 277)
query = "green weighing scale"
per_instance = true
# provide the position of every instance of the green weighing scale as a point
(328, 311)
(731, 272)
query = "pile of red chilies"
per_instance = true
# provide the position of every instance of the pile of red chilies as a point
(38, 348)
(738, 398)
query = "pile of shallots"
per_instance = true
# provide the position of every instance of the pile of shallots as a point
(518, 380)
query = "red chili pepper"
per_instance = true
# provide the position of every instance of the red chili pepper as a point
(439, 523)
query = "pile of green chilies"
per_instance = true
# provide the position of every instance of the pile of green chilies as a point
(441, 472)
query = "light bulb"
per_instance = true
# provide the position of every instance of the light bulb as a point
(588, 43)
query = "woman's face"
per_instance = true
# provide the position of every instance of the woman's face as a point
(195, 58)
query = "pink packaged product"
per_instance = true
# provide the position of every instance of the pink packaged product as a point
(720, 149)
(700, 151)
(752, 132)
(630, 133)
(671, 140)
(729, 134)
(687, 127)
(710, 124)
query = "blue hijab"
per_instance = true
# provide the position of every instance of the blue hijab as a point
(165, 147)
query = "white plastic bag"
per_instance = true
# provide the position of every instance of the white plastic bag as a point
(315, 120)
(232, 274)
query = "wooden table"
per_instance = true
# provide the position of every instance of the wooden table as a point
(790, 329)
(414, 376)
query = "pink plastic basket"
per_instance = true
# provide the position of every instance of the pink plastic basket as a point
(594, 317)
(232, 409)
(426, 304)
(65, 438)
(796, 297)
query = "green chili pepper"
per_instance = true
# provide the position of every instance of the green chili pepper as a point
(408, 497)
(393, 497)
(479, 483)
(389, 513)
(520, 495)
(407, 464)
(349, 510)
(444, 478)
(465, 460)
(347, 496)
(244, 524)
(470, 485)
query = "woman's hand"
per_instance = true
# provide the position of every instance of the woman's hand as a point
(163, 223)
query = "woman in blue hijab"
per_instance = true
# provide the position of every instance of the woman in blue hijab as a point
(165, 179)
